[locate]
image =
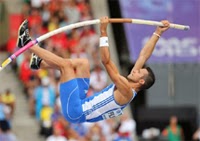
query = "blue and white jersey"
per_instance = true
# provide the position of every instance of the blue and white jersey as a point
(102, 105)
(77, 108)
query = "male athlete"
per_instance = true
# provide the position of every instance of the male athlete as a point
(75, 74)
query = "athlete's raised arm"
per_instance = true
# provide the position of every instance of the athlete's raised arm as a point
(120, 82)
(148, 48)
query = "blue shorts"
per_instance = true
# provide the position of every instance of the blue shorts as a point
(71, 94)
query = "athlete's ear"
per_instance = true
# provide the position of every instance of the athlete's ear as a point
(142, 81)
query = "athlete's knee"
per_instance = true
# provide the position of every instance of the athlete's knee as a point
(66, 64)
(84, 63)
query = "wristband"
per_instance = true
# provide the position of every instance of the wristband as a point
(103, 42)
(156, 34)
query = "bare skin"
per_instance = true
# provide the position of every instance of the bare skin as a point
(123, 91)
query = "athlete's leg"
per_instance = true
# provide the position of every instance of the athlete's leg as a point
(81, 67)
(44, 65)
(82, 73)
(56, 62)
(69, 87)
(64, 65)
(70, 92)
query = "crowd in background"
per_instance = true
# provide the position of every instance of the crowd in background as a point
(41, 86)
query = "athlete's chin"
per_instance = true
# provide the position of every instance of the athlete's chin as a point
(130, 77)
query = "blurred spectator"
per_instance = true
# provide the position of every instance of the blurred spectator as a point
(45, 121)
(58, 103)
(63, 126)
(56, 114)
(25, 73)
(98, 78)
(95, 133)
(34, 18)
(11, 44)
(173, 131)
(74, 47)
(109, 129)
(25, 10)
(45, 14)
(44, 95)
(53, 23)
(4, 111)
(5, 132)
(9, 99)
(72, 12)
(88, 34)
(56, 83)
(55, 6)
(60, 41)
(57, 135)
(34, 82)
(80, 128)
(127, 128)
(84, 9)
(66, 131)
(196, 135)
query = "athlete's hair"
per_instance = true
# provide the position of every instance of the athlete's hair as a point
(149, 79)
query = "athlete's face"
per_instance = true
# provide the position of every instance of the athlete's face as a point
(138, 75)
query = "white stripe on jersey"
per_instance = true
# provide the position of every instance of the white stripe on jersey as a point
(100, 104)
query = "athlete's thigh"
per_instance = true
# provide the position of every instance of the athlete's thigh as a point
(70, 101)
(82, 68)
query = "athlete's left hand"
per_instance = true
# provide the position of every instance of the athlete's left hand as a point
(161, 29)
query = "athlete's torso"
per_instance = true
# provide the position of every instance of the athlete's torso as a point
(102, 105)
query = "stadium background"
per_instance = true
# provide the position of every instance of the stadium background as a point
(176, 91)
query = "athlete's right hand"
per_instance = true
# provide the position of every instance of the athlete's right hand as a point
(104, 23)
